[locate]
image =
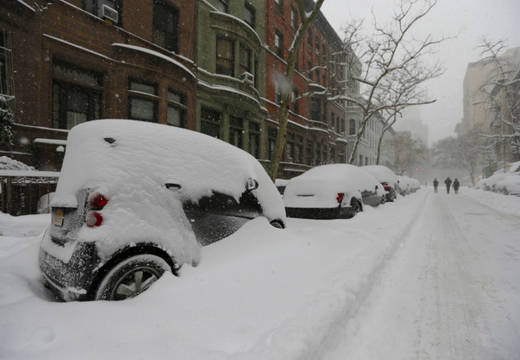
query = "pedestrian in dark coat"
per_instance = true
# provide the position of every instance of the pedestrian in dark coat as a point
(448, 184)
(435, 184)
(456, 185)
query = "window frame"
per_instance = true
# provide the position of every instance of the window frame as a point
(168, 36)
(143, 96)
(252, 10)
(218, 67)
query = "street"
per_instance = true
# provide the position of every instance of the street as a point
(431, 276)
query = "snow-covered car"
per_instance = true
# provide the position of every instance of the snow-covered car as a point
(407, 185)
(136, 199)
(506, 181)
(280, 185)
(386, 177)
(331, 191)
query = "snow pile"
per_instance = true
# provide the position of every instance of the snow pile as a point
(382, 174)
(6, 163)
(319, 186)
(506, 181)
(505, 204)
(30, 225)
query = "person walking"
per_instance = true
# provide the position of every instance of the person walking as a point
(435, 184)
(448, 184)
(456, 185)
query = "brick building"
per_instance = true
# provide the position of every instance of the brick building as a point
(208, 65)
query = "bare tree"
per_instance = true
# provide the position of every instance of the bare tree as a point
(393, 66)
(502, 90)
(307, 16)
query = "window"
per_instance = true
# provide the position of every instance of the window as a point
(210, 121)
(96, 7)
(298, 150)
(278, 5)
(236, 131)
(352, 127)
(315, 109)
(76, 95)
(317, 46)
(308, 152)
(294, 104)
(176, 109)
(254, 139)
(289, 148)
(223, 5)
(277, 94)
(225, 56)
(245, 59)
(278, 43)
(165, 25)
(271, 139)
(5, 64)
(294, 18)
(250, 15)
(142, 101)
(309, 40)
(332, 120)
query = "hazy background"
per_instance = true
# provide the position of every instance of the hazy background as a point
(469, 20)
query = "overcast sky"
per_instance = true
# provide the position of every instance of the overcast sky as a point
(468, 19)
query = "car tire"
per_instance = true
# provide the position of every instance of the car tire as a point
(277, 224)
(356, 206)
(131, 277)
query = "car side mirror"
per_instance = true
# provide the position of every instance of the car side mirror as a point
(251, 184)
(173, 187)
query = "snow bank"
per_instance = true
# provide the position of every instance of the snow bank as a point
(505, 181)
(319, 186)
(6, 163)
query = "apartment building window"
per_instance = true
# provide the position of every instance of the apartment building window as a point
(289, 148)
(294, 103)
(308, 152)
(165, 25)
(294, 18)
(5, 63)
(254, 139)
(352, 127)
(315, 109)
(95, 7)
(176, 109)
(225, 56)
(278, 43)
(223, 5)
(250, 15)
(298, 150)
(142, 101)
(271, 141)
(278, 5)
(236, 131)
(332, 120)
(76, 95)
(210, 122)
(245, 59)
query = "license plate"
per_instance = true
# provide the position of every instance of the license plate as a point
(58, 217)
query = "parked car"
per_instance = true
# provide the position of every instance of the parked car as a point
(136, 199)
(505, 181)
(386, 177)
(330, 192)
(407, 185)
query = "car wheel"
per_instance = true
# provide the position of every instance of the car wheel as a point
(277, 224)
(131, 277)
(356, 206)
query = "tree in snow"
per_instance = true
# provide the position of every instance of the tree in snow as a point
(502, 90)
(307, 12)
(408, 152)
(394, 65)
(6, 121)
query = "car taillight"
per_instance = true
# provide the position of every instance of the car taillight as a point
(340, 197)
(94, 219)
(387, 187)
(97, 201)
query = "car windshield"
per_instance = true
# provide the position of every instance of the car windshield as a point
(259, 179)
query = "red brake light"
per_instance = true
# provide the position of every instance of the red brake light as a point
(98, 201)
(94, 219)
(340, 197)
(387, 187)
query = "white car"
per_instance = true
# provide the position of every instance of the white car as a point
(506, 181)
(386, 177)
(331, 191)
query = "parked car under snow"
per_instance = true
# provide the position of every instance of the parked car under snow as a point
(505, 181)
(386, 177)
(331, 191)
(136, 199)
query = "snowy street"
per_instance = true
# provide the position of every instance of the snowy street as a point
(431, 276)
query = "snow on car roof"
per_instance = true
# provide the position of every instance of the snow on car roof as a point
(381, 173)
(103, 152)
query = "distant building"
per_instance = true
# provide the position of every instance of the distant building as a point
(411, 121)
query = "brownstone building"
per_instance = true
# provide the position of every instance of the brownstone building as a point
(67, 62)
(316, 130)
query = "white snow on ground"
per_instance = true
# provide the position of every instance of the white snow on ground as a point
(431, 276)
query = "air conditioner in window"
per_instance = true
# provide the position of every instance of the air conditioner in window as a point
(107, 12)
(247, 77)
